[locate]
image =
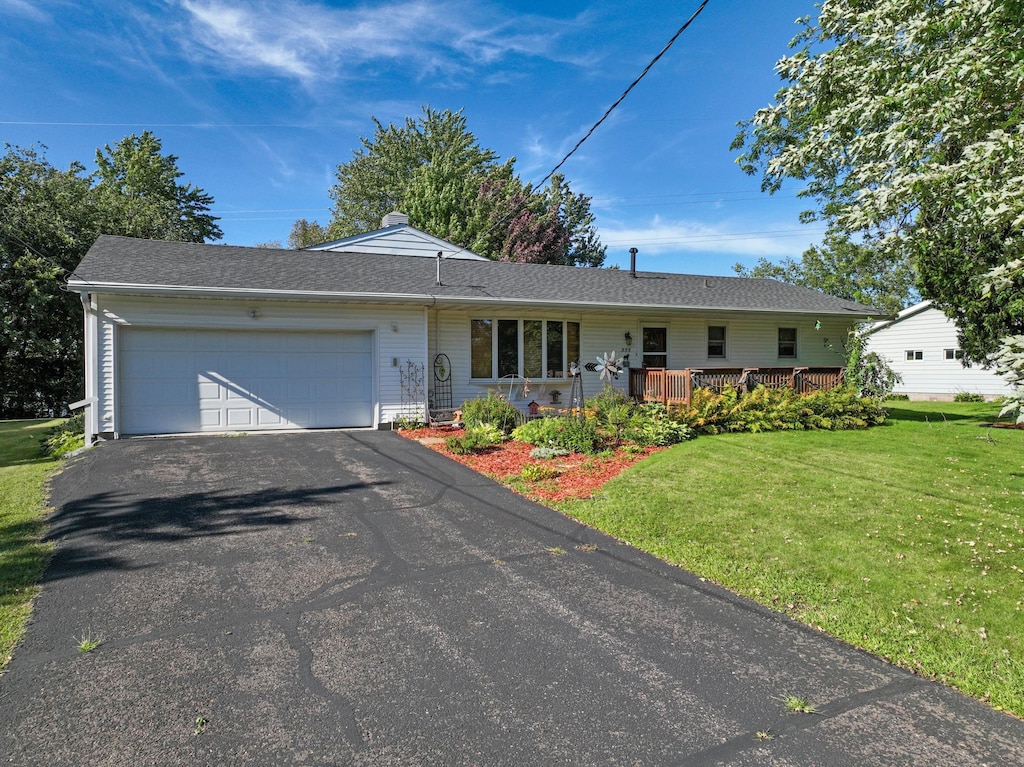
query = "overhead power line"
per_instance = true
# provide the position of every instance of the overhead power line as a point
(604, 117)
(625, 93)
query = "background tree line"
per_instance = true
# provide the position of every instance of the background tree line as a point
(433, 169)
(430, 167)
(49, 218)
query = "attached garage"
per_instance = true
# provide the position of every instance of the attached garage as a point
(172, 381)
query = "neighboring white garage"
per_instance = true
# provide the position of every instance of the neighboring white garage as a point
(172, 381)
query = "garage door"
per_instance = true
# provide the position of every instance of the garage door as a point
(174, 381)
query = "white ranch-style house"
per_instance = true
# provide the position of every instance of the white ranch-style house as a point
(183, 337)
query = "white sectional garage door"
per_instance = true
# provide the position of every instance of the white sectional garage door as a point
(175, 381)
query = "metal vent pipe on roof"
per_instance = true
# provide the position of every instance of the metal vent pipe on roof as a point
(632, 262)
(439, 268)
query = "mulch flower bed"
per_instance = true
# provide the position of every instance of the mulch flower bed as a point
(579, 476)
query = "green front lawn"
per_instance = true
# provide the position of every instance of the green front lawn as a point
(23, 555)
(906, 539)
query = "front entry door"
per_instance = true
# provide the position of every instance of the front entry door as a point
(655, 347)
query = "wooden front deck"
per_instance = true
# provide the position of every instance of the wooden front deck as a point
(675, 387)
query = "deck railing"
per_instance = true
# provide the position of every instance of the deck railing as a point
(675, 387)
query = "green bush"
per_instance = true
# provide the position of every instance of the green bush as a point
(409, 422)
(536, 472)
(539, 431)
(493, 409)
(652, 426)
(475, 439)
(65, 438)
(966, 396)
(573, 434)
(610, 406)
(766, 409)
(901, 397)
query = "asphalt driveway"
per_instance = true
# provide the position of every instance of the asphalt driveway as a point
(337, 598)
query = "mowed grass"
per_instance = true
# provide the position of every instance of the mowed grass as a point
(906, 539)
(23, 555)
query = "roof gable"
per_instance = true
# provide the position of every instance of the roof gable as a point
(400, 240)
(903, 314)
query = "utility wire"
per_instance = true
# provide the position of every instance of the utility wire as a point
(625, 93)
(596, 125)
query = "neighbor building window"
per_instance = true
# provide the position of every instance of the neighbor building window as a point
(535, 349)
(787, 342)
(716, 341)
(954, 354)
(914, 355)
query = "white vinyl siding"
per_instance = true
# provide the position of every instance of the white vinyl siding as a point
(933, 375)
(752, 342)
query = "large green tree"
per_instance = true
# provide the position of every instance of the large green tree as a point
(902, 121)
(139, 195)
(433, 168)
(846, 269)
(48, 220)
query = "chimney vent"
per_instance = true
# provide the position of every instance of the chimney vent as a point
(706, 283)
(393, 219)
(632, 262)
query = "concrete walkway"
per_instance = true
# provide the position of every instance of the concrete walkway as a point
(352, 598)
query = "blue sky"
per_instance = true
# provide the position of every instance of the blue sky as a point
(261, 101)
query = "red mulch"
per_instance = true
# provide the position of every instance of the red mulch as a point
(580, 475)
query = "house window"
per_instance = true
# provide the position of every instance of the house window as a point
(508, 348)
(914, 355)
(716, 341)
(481, 351)
(655, 347)
(954, 354)
(787, 342)
(535, 349)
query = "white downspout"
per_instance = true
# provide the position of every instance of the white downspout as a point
(91, 387)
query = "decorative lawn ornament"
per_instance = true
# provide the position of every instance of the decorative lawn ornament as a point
(608, 366)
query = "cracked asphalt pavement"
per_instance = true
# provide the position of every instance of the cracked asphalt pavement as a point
(352, 598)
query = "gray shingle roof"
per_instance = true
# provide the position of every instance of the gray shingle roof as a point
(124, 264)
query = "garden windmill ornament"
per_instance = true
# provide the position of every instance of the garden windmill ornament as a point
(608, 366)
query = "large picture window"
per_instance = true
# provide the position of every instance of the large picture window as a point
(535, 349)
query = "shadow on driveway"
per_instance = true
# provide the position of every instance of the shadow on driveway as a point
(336, 598)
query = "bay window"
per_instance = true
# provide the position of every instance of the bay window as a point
(535, 349)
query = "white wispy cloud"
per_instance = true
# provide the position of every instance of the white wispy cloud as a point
(661, 236)
(26, 10)
(313, 42)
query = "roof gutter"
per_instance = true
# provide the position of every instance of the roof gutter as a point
(427, 299)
